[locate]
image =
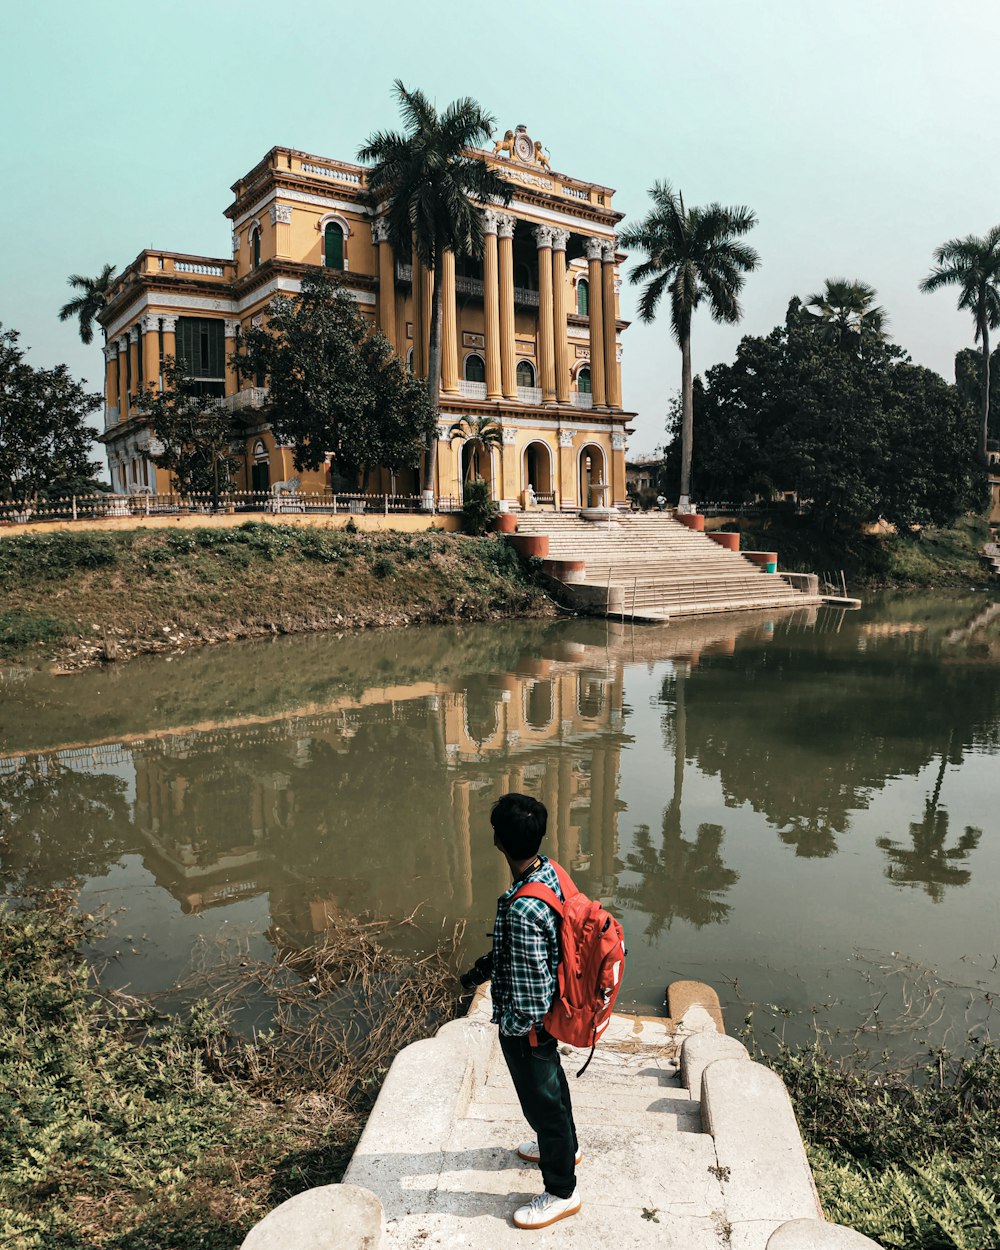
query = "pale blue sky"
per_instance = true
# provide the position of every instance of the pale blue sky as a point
(862, 133)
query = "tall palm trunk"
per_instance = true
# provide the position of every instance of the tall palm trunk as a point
(986, 392)
(434, 376)
(687, 418)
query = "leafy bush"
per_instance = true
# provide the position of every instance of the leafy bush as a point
(384, 567)
(478, 509)
(53, 556)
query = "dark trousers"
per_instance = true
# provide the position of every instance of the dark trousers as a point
(544, 1096)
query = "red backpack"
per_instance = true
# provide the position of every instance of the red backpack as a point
(591, 961)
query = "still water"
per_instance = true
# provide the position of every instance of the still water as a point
(799, 809)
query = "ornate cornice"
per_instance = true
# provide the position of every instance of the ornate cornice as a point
(281, 214)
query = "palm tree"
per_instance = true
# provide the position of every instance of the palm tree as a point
(429, 179)
(481, 435)
(694, 253)
(973, 265)
(848, 314)
(93, 297)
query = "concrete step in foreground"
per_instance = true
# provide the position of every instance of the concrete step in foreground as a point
(701, 1156)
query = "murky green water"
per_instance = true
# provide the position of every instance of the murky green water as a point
(798, 809)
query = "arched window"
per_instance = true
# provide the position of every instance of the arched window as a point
(255, 247)
(525, 373)
(583, 299)
(583, 380)
(333, 245)
(409, 361)
(475, 368)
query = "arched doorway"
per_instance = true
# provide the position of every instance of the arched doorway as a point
(477, 462)
(538, 468)
(260, 469)
(593, 473)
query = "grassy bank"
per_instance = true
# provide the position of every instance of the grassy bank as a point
(908, 1156)
(935, 558)
(83, 598)
(124, 1129)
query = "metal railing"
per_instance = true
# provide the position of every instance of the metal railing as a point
(144, 503)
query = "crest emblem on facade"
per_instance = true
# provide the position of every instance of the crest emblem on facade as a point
(517, 145)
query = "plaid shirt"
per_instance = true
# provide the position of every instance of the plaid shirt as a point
(525, 955)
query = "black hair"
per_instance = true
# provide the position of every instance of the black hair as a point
(519, 823)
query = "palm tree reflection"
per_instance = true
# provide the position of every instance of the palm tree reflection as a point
(684, 879)
(929, 863)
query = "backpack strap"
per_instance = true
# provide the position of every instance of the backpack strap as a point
(566, 883)
(535, 889)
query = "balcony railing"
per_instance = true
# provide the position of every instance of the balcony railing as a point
(110, 416)
(252, 397)
(523, 295)
(468, 286)
(465, 285)
(472, 390)
(529, 394)
(582, 399)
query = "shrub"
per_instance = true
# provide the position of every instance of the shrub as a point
(478, 509)
(22, 629)
(384, 567)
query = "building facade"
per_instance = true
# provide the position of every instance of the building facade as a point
(531, 333)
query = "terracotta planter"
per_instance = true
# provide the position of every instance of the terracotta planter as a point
(531, 544)
(565, 570)
(693, 520)
(731, 542)
(767, 560)
(505, 523)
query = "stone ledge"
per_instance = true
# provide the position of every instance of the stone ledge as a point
(332, 1217)
(747, 1110)
(701, 1049)
(818, 1235)
(694, 1006)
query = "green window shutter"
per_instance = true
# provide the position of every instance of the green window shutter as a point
(201, 347)
(256, 249)
(333, 246)
(583, 381)
(583, 298)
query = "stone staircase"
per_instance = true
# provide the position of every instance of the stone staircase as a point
(651, 567)
(687, 1145)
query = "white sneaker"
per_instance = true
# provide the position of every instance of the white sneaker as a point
(528, 1151)
(546, 1209)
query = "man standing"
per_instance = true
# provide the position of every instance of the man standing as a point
(525, 963)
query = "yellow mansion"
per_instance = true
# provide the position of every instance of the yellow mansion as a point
(530, 335)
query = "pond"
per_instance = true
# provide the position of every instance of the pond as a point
(799, 809)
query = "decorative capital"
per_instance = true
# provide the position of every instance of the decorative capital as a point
(509, 435)
(281, 214)
(505, 224)
(491, 221)
(133, 334)
(150, 323)
(111, 352)
(559, 239)
(543, 236)
(154, 447)
(169, 325)
(565, 438)
(380, 230)
(232, 326)
(608, 251)
(595, 249)
(618, 442)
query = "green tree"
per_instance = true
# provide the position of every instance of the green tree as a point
(481, 435)
(45, 440)
(973, 265)
(859, 437)
(695, 255)
(92, 298)
(429, 180)
(195, 433)
(336, 387)
(848, 315)
(969, 380)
